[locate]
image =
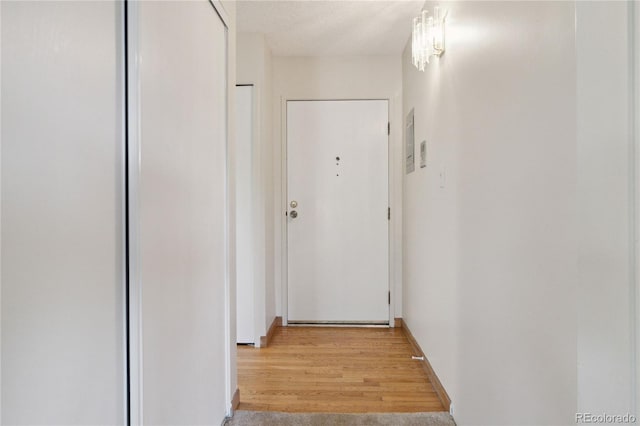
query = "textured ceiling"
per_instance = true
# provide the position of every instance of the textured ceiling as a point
(330, 28)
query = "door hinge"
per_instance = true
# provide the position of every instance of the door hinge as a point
(388, 127)
(388, 213)
(389, 298)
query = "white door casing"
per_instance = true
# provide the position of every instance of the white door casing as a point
(338, 245)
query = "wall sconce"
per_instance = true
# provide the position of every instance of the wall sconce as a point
(427, 37)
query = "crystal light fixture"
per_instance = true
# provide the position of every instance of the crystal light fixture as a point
(427, 37)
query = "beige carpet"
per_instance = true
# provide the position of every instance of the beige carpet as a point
(272, 418)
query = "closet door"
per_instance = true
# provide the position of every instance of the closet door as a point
(62, 208)
(245, 287)
(181, 203)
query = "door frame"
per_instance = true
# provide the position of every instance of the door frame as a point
(283, 209)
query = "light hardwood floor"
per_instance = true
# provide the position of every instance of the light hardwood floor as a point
(338, 370)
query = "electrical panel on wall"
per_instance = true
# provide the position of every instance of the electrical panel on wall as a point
(409, 144)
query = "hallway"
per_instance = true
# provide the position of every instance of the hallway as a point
(334, 370)
(180, 177)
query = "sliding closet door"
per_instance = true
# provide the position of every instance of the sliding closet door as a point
(181, 203)
(62, 213)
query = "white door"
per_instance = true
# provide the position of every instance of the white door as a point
(182, 204)
(337, 184)
(244, 216)
(63, 250)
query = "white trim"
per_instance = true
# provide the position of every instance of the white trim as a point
(135, 283)
(391, 199)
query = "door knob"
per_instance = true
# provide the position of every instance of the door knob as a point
(293, 214)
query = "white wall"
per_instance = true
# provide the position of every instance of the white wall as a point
(254, 67)
(604, 161)
(377, 77)
(490, 259)
(62, 213)
(526, 251)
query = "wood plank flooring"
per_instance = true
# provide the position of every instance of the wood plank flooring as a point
(334, 370)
